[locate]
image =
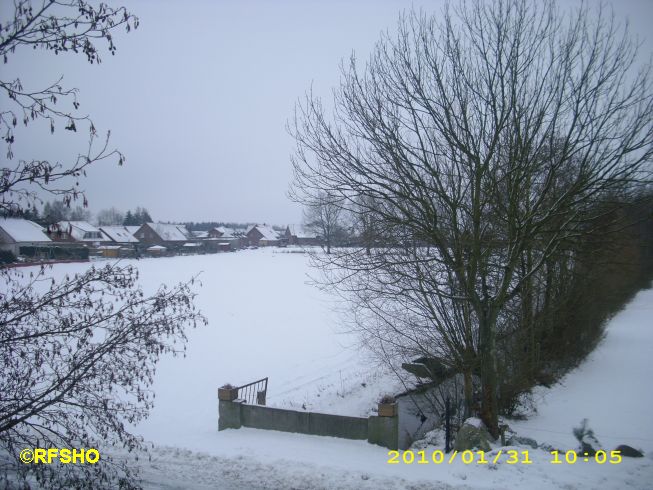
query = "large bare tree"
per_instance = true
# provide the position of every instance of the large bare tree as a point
(485, 136)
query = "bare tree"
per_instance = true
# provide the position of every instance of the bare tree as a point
(365, 229)
(55, 211)
(111, 216)
(78, 354)
(322, 216)
(58, 26)
(483, 133)
(80, 213)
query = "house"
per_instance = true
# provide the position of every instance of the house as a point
(227, 238)
(170, 236)
(200, 234)
(262, 235)
(119, 235)
(77, 231)
(238, 232)
(17, 233)
(192, 248)
(295, 235)
(124, 243)
(132, 228)
(226, 246)
(219, 232)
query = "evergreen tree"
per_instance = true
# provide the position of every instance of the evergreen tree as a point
(129, 219)
(31, 214)
(145, 217)
(142, 216)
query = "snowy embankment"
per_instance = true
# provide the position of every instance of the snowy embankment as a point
(265, 320)
(613, 388)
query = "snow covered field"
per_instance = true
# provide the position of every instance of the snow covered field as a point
(265, 320)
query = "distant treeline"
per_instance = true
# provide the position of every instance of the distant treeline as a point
(208, 225)
(57, 210)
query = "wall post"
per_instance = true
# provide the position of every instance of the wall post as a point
(383, 431)
(229, 416)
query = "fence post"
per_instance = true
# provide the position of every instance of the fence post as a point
(447, 426)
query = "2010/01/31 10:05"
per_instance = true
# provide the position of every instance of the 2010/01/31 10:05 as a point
(513, 457)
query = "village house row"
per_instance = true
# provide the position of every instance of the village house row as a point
(80, 239)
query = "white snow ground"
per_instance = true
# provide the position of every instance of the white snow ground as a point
(265, 320)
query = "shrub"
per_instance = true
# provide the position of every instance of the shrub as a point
(7, 257)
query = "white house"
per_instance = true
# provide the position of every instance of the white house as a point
(262, 235)
(78, 231)
(17, 232)
(168, 235)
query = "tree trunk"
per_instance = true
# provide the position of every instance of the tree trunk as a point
(469, 391)
(528, 321)
(489, 404)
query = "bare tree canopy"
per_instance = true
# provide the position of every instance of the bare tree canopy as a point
(58, 26)
(323, 217)
(78, 357)
(108, 217)
(487, 132)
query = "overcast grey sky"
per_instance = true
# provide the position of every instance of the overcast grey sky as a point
(198, 97)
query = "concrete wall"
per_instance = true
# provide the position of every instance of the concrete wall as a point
(322, 424)
(384, 431)
(376, 430)
(268, 418)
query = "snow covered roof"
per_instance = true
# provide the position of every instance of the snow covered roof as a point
(119, 234)
(80, 225)
(192, 245)
(226, 232)
(299, 232)
(132, 229)
(168, 232)
(200, 234)
(265, 230)
(22, 230)
(82, 231)
(156, 247)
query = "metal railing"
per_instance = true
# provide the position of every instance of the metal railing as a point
(255, 392)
